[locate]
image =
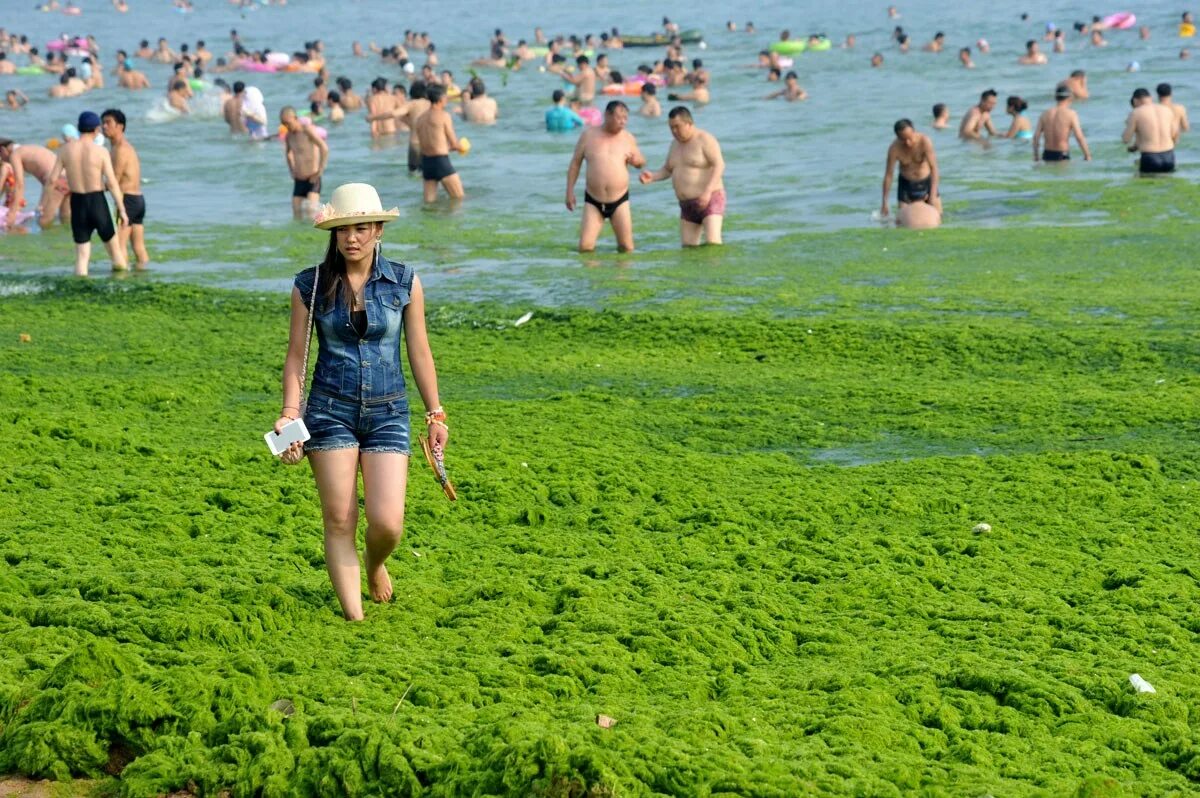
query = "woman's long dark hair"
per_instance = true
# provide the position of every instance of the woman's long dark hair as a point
(332, 271)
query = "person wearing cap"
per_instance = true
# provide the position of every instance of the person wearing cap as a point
(357, 410)
(1152, 129)
(1058, 124)
(89, 169)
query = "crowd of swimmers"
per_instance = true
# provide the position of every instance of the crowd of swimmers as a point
(423, 103)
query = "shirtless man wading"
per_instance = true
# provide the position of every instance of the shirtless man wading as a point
(36, 160)
(418, 104)
(381, 110)
(609, 151)
(435, 131)
(1152, 130)
(919, 177)
(696, 167)
(306, 155)
(1164, 98)
(1058, 124)
(979, 118)
(89, 169)
(232, 109)
(128, 169)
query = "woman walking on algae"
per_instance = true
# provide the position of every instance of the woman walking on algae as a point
(361, 304)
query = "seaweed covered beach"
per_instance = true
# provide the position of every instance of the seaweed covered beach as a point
(863, 513)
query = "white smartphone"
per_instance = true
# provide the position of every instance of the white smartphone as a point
(293, 432)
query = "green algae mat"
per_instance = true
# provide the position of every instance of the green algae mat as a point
(859, 514)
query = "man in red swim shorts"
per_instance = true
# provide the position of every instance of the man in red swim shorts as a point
(695, 166)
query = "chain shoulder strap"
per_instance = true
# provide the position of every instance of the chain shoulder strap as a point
(312, 305)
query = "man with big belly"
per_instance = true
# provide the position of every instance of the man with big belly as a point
(696, 168)
(609, 151)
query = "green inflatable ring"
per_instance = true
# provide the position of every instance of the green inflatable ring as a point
(30, 70)
(820, 46)
(789, 47)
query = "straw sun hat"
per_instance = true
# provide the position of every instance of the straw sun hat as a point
(353, 203)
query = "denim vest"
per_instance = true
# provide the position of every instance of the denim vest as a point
(367, 369)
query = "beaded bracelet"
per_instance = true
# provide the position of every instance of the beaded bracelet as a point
(436, 414)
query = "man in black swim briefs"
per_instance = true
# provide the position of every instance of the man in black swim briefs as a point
(607, 209)
(89, 169)
(919, 176)
(1152, 129)
(436, 138)
(306, 154)
(128, 170)
(610, 150)
(913, 190)
(1056, 125)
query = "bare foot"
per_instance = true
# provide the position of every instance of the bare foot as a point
(379, 583)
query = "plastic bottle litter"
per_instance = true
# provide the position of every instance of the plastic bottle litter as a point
(523, 319)
(1140, 684)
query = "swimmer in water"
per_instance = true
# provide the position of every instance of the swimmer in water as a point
(979, 118)
(1058, 124)
(791, 91)
(477, 107)
(128, 170)
(964, 58)
(1077, 83)
(1164, 98)
(609, 151)
(560, 118)
(941, 116)
(919, 177)
(650, 105)
(177, 97)
(306, 154)
(15, 100)
(1152, 129)
(1021, 128)
(584, 82)
(435, 129)
(696, 167)
(1033, 56)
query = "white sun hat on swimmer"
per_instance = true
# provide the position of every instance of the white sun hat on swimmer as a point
(353, 203)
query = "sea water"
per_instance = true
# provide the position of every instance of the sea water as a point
(790, 166)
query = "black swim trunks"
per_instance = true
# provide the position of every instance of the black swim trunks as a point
(302, 188)
(1055, 155)
(135, 208)
(913, 190)
(436, 167)
(414, 158)
(1157, 163)
(607, 209)
(89, 212)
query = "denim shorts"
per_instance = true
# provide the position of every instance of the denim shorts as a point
(375, 425)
